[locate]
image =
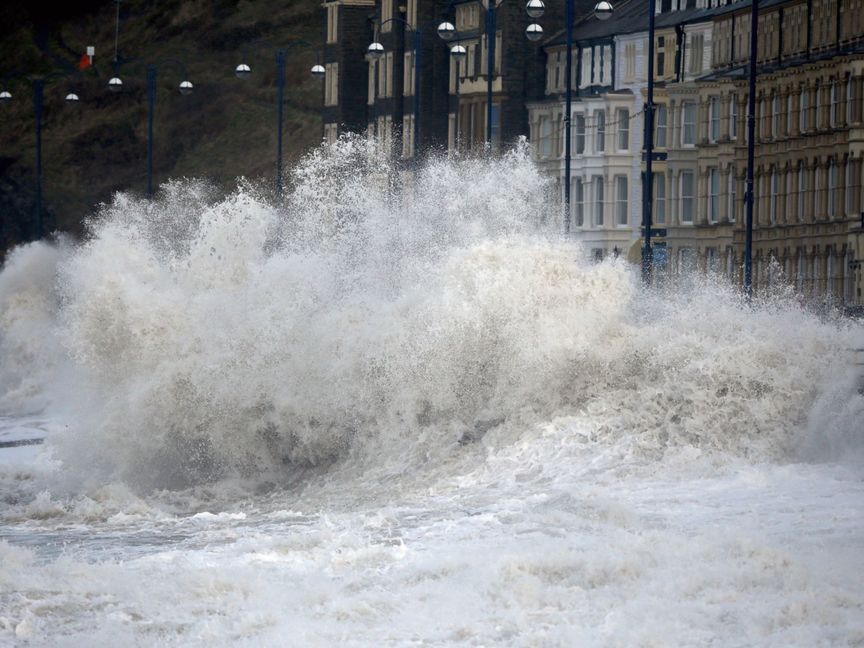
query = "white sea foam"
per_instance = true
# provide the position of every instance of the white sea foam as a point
(394, 413)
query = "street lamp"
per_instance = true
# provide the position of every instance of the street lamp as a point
(459, 54)
(534, 32)
(446, 31)
(243, 71)
(376, 51)
(535, 8)
(603, 11)
(38, 85)
(751, 150)
(115, 84)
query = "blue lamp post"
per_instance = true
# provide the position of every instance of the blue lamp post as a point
(38, 86)
(115, 84)
(751, 151)
(243, 71)
(458, 53)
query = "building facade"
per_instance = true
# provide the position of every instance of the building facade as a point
(809, 171)
(808, 157)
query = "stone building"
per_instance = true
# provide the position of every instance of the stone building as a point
(681, 190)
(376, 94)
(604, 178)
(808, 164)
(810, 120)
(519, 71)
(610, 91)
(346, 25)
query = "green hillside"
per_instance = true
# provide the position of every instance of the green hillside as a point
(225, 129)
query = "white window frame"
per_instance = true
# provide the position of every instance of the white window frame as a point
(622, 201)
(660, 198)
(832, 189)
(732, 196)
(714, 119)
(687, 199)
(599, 199)
(662, 126)
(579, 133)
(689, 126)
(332, 22)
(386, 15)
(545, 136)
(622, 117)
(775, 117)
(802, 192)
(733, 117)
(578, 192)
(600, 137)
(804, 110)
(774, 197)
(713, 195)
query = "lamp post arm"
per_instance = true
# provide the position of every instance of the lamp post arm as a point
(163, 63)
(397, 19)
(11, 77)
(146, 65)
(263, 44)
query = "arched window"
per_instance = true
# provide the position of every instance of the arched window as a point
(801, 271)
(733, 117)
(816, 208)
(802, 192)
(817, 100)
(832, 189)
(775, 190)
(803, 110)
(713, 195)
(775, 116)
(732, 195)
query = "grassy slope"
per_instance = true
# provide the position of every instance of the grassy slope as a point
(225, 129)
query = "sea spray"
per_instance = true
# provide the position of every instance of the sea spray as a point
(373, 316)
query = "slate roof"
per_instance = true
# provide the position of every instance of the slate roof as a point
(631, 16)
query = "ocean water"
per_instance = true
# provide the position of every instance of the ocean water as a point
(388, 412)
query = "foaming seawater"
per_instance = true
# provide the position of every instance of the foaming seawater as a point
(200, 337)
